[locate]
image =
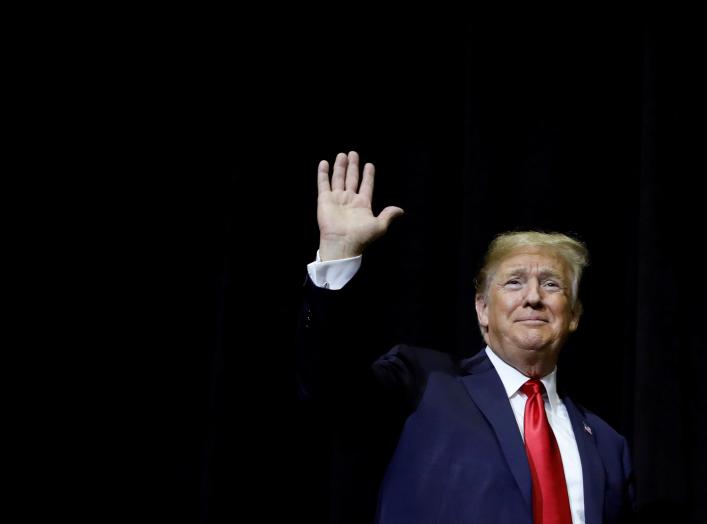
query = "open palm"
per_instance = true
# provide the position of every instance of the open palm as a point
(346, 220)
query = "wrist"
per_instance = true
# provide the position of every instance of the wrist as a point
(336, 249)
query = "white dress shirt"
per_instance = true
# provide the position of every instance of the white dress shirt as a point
(335, 274)
(559, 421)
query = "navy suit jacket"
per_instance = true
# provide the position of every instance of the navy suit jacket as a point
(460, 457)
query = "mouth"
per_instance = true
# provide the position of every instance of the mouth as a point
(532, 321)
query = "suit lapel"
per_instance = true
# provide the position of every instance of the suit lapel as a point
(592, 466)
(488, 394)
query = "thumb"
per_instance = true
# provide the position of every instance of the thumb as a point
(390, 213)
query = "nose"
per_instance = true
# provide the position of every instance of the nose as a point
(533, 297)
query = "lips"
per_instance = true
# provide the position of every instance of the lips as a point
(533, 320)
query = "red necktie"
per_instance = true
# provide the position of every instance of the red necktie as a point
(551, 504)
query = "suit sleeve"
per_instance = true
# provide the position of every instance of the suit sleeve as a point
(336, 343)
(353, 401)
(341, 355)
(345, 429)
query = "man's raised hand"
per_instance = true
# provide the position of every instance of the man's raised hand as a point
(346, 221)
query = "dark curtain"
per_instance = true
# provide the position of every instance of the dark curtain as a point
(475, 128)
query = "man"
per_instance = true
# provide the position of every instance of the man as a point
(487, 439)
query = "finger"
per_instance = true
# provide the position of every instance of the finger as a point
(366, 190)
(323, 177)
(352, 172)
(337, 179)
(389, 214)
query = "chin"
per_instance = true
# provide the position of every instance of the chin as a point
(533, 344)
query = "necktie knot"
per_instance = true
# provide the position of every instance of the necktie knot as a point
(532, 387)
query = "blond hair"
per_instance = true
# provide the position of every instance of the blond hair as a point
(571, 250)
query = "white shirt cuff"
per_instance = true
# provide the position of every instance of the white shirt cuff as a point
(333, 274)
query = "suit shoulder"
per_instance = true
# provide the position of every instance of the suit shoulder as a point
(405, 370)
(423, 360)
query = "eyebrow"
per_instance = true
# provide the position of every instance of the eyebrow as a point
(542, 274)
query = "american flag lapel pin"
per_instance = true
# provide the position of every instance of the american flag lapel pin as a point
(587, 428)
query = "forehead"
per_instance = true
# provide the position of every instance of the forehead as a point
(531, 259)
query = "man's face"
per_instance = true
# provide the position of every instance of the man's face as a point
(527, 310)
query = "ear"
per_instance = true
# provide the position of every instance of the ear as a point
(482, 311)
(574, 323)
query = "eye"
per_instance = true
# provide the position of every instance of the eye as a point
(513, 283)
(551, 284)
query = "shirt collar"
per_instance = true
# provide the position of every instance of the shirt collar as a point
(513, 379)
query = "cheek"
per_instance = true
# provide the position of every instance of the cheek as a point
(561, 312)
(502, 306)
(510, 303)
(505, 309)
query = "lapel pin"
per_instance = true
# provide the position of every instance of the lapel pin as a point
(587, 428)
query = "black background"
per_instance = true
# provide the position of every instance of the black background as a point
(205, 141)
